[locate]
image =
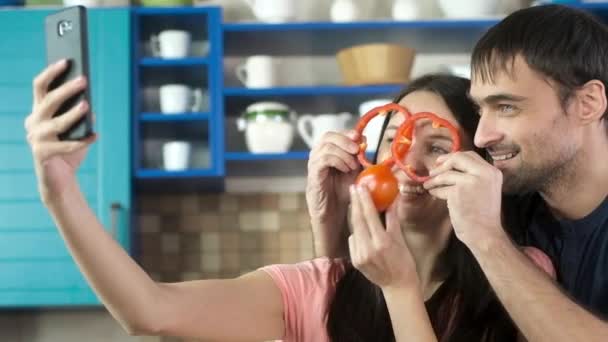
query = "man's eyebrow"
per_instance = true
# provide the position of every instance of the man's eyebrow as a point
(495, 98)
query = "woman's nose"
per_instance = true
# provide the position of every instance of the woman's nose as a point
(416, 159)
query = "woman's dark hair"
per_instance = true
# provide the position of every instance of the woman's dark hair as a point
(464, 308)
(576, 54)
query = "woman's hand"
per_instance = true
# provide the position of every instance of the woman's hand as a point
(332, 168)
(55, 161)
(380, 254)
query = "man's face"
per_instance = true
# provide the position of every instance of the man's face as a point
(524, 128)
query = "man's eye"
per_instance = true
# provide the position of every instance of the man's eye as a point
(506, 108)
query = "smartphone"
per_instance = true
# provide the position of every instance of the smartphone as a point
(66, 38)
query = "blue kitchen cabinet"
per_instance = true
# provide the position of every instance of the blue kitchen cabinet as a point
(201, 69)
(36, 269)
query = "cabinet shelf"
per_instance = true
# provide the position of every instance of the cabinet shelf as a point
(292, 155)
(313, 91)
(165, 62)
(326, 38)
(360, 25)
(172, 10)
(160, 117)
(189, 173)
(248, 156)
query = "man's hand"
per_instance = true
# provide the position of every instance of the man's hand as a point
(473, 190)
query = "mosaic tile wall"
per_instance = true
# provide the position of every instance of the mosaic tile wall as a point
(198, 236)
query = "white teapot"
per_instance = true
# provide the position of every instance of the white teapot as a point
(268, 127)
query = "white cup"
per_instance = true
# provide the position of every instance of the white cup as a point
(312, 127)
(273, 11)
(258, 72)
(179, 98)
(373, 130)
(176, 155)
(171, 44)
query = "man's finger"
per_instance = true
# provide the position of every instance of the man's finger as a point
(459, 161)
(441, 193)
(446, 178)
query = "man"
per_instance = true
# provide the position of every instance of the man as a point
(539, 78)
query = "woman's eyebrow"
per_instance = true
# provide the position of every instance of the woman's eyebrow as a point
(439, 137)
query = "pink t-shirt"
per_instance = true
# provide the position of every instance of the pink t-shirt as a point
(307, 288)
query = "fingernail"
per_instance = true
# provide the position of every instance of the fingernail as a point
(361, 188)
(83, 104)
(60, 63)
(352, 188)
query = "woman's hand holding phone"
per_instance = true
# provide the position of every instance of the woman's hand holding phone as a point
(55, 161)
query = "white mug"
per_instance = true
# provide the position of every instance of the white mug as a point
(179, 98)
(176, 155)
(273, 11)
(171, 44)
(312, 127)
(258, 72)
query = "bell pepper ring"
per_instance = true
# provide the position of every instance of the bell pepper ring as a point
(404, 139)
(379, 178)
(365, 119)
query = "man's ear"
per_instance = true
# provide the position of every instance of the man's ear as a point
(592, 100)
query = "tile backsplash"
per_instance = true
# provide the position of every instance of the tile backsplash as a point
(201, 236)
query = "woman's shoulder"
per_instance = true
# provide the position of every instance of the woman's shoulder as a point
(306, 288)
(321, 270)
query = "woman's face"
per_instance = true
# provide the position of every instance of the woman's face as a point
(413, 202)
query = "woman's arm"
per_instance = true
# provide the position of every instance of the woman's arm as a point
(385, 259)
(408, 315)
(246, 308)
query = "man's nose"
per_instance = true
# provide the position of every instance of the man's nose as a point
(487, 133)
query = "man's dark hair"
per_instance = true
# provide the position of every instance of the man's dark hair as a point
(564, 44)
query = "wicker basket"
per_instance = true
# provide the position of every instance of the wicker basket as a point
(380, 63)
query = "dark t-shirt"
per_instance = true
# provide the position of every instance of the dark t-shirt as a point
(578, 249)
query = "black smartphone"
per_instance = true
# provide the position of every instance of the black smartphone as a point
(66, 38)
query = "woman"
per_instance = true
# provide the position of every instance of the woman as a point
(279, 301)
